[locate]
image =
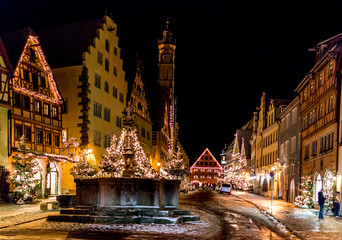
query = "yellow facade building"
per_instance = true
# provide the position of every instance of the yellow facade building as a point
(86, 62)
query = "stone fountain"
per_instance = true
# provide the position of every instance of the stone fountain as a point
(126, 199)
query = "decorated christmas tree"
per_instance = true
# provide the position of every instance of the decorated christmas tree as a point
(25, 167)
(125, 157)
(113, 162)
(83, 167)
(305, 198)
(176, 168)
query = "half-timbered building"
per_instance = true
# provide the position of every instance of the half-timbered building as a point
(206, 169)
(36, 106)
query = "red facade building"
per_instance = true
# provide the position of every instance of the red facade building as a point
(206, 169)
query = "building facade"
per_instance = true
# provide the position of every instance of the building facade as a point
(36, 107)
(318, 93)
(290, 149)
(5, 71)
(206, 169)
(86, 62)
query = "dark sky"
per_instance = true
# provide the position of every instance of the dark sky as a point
(228, 52)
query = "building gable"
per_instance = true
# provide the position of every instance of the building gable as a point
(32, 73)
(207, 160)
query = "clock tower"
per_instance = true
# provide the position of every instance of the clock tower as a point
(166, 62)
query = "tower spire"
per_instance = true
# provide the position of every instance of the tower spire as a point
(167, 35)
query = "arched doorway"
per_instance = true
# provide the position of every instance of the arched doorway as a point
(39, 173)
(318, 186)
(52, 179)
(292, 191)
(281, 185)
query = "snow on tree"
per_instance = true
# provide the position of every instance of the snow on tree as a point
(25, 167)
(305, 198)
(176, 167)
(83, 168)
(113, 162)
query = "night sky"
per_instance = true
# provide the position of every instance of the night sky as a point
(228, 52)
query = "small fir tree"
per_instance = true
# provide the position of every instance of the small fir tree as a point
(25, 167)
(176, 168)
(83, 168)
(305, 198)
(112, 162)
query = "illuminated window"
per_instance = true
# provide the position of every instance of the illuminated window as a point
(331, 100)
(320, 79)
(331, 68)
(320, 111)
(54, 112)
(38, 106)
(46, 109)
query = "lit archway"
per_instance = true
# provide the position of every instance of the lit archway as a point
(318, 185)
(292, 191)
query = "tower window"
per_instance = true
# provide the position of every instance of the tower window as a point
(107, 45)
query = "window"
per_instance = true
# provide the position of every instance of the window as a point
(28, 134)
(314, 149)
(320, 111)
(106, 65)
(16, 100)
(293, 116)
(331, 68)
(26, 102)
(305, 122)
(121, 97)
(106, 86)
(54, 112)
(42, 82)
(106, 142)
(97, 109)
(143, 133)
(312, 87)
(65, 106)
(118, 121)
(106, 114)
(107, 45)
(48, 138)
(26, 75)
(287, 121)
(287, 147)
(97, 82)
(35, 81)
(115, 51)
(320, 79)
(115, 71)
(46, 109)
(148, 135)
(115, 92)
(39, 136)
(18, 131)
(99, 57)
(57, 140)
(38, 106)
(306, 152)
(304, 94)
(97, 138)
(331, 100)
(293, 144)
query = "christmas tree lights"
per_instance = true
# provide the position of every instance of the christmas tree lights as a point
(83, 168)
(176, 167)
